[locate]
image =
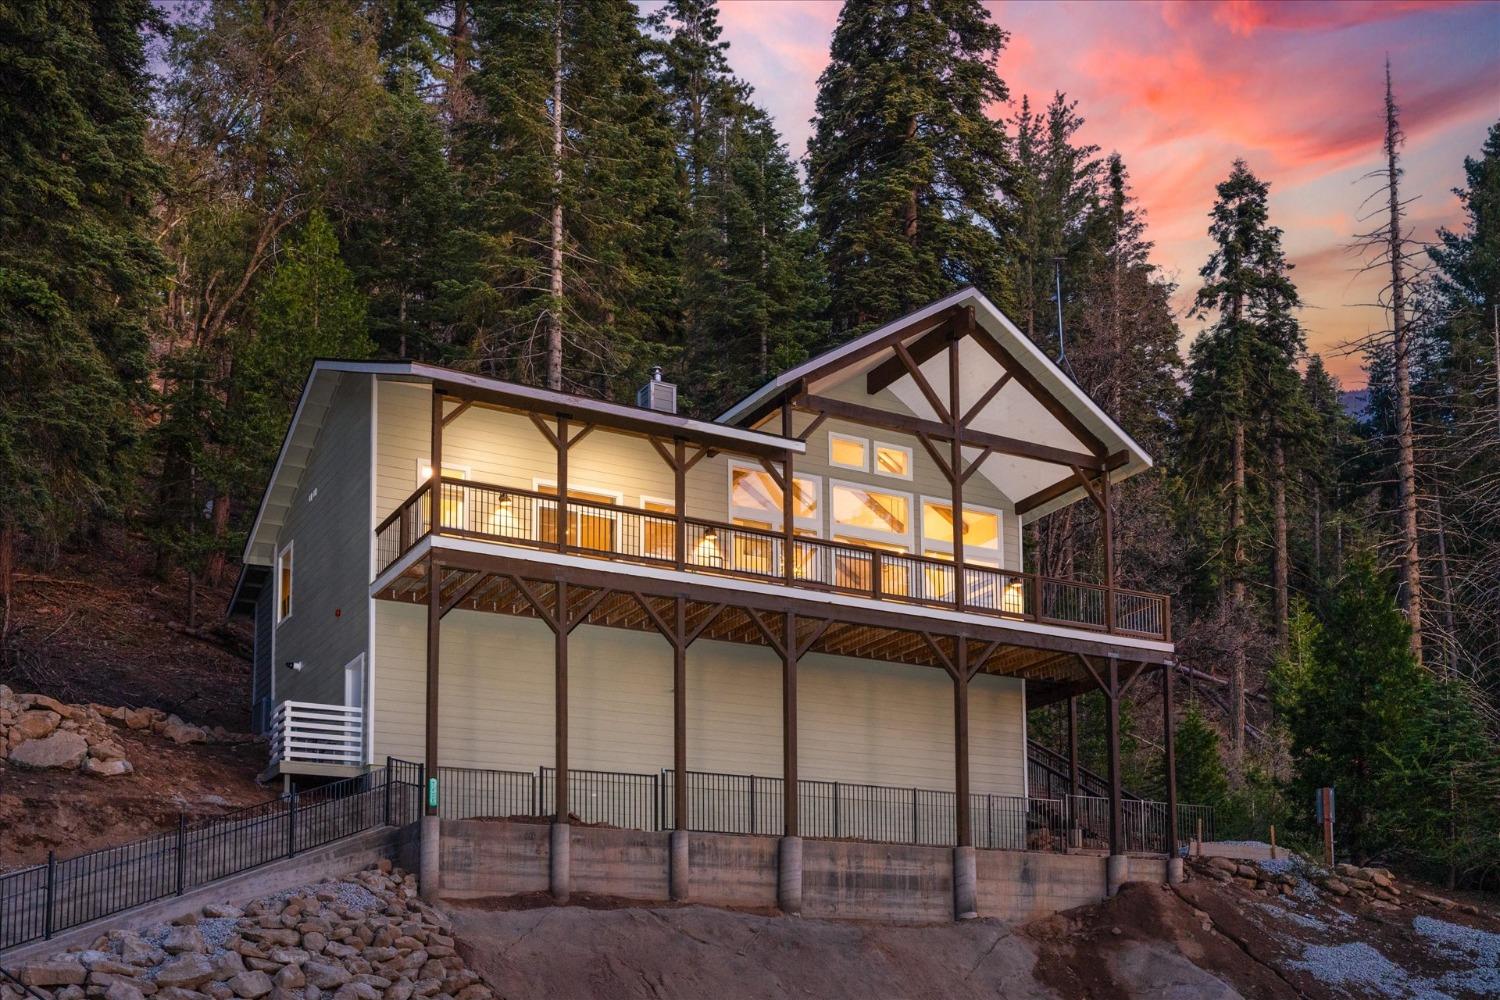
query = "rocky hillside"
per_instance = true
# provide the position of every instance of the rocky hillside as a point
(116, 713)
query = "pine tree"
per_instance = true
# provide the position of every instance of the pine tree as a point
(1201, 778)
(1234, 365)
(905, 165)
(77, 266)
(573, 202)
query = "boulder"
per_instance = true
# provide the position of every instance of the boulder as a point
(107, 768)
(183, 939)
(138, 718)
(179, 993)
(221, 910)
(325, 975)
(53, 972)
(122, 989)
(1335, 886)
(34, 725)
(183, 732)
(60, 750)
(106, 750)
(289, 978)
(218, 991)
(49, 703)
(250, 985)
(186, 972)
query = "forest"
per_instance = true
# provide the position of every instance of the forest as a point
(197, 201)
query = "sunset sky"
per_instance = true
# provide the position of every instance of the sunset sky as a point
(1181, 89)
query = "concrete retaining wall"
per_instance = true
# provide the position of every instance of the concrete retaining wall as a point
(889, 882)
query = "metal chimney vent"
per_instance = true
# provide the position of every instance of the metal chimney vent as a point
(656, 394)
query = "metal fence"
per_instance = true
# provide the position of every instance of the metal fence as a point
(40, 901)
(754, 804)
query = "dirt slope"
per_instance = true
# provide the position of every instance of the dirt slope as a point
(1201, 940)
(94, 628)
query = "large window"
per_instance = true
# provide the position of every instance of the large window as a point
(982, 541)
(284, 584)
(755, 500)
(588, 527)
(866, 515)
(658, 537)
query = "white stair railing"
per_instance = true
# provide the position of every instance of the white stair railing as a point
(303, 731)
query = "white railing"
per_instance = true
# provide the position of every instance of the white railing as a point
(307, 732)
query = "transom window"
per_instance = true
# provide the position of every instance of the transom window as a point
(848, 452)
(892, 460)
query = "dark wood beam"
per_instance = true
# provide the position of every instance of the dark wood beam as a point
(1031, 384)
(870, 416)
(892, 369)
(1065, 486)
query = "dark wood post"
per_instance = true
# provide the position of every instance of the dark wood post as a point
(560, 708)
(434, 627)
(1073, 775)
(1107, 526)
(961, 742)
(789, 724)
(1112, 699)
(679, 717)
(679, 501)
(955, 416)
(788, 502)
(435, 482)
(1169, 747)
(562, 497)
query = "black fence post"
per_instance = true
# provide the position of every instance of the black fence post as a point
(181, 851)
(915, 817)
(656, 797)
(835, 810)
(51, 885)
(754, 827)
(291, 824)
(388, 772)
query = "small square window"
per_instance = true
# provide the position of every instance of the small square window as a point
(892, 460)
(848, 452)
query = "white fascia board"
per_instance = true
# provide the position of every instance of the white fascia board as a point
(543, 557)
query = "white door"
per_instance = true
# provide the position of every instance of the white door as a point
(354, 682)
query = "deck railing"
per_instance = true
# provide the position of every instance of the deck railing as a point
(308, 732)
(612, 531)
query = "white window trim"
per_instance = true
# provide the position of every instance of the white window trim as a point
(888, 446)
(291, 604)
(814, 523)
(426, 463)
(836, 529)
(933, 545)
(864, 445)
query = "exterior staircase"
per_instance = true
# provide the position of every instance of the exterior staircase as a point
(1047, 776)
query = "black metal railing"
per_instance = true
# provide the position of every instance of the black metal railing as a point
(38, 902)
(1047, 775)
(468, 509)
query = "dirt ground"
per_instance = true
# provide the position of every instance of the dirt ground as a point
(1200, 940)
(97, 629)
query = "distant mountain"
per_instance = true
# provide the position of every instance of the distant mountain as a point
(1356, 402)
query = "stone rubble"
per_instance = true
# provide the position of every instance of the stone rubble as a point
(1291, 877)
(367, 937)
(37, 731)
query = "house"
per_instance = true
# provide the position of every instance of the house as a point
(574, 608)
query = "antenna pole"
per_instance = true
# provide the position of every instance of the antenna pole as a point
(1062, 347)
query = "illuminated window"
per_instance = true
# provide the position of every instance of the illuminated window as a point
(454, 508)
(658, 537)
(892, 460)
(284, 584)
(981, 532)
(755, 500)
(588, 526)
(848, 452)
(875, 518)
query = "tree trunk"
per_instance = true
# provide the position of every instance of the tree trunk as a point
(459, 34)
(1237, 594)
(1411, 565)
(554, 308)
(7, 582)
(1279, 570)
(214, 571)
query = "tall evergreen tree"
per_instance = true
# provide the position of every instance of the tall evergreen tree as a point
(77, 266)
(573, 197)
(1234, 364)
(906, 164)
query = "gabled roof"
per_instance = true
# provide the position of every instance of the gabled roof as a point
(1038, 405)
(317, 396)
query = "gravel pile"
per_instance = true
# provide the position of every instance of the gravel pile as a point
(1482, 946)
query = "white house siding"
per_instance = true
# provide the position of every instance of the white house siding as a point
(860, 720)
(328, 526)
(506, 449)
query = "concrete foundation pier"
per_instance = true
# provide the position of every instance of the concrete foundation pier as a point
(559, 871)
(1174, 871)
(965, 884)
(789, 875)
(429, 878)
(679, 874)
(1116, 870)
